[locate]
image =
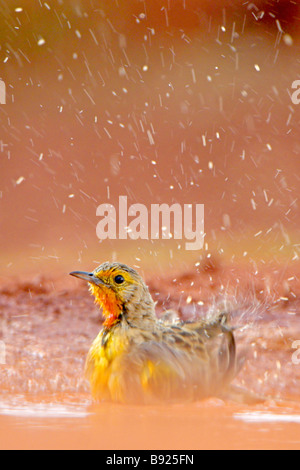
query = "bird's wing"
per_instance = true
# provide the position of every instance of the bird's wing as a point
(179, 362)
(220, 344)
(212, 340)
(153, 372)
(160, 371)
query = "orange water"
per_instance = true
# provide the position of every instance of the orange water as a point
(211, 424)
(45, 401)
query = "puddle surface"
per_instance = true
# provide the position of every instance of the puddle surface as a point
(45, 401)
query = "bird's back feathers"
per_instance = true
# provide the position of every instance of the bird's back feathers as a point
(173, 363)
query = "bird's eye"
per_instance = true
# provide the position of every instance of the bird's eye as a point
(119, 279)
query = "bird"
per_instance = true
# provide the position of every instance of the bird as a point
(138, 358)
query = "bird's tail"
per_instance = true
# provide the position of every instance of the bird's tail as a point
(230, 346)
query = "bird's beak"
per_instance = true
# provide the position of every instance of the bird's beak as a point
(89, 277)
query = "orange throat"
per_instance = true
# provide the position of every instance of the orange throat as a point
(111, 306)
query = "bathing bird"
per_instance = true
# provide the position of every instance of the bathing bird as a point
(138, 358)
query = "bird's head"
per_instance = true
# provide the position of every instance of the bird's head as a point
(116, 287)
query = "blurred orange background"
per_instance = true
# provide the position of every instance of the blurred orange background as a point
(161, 101)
